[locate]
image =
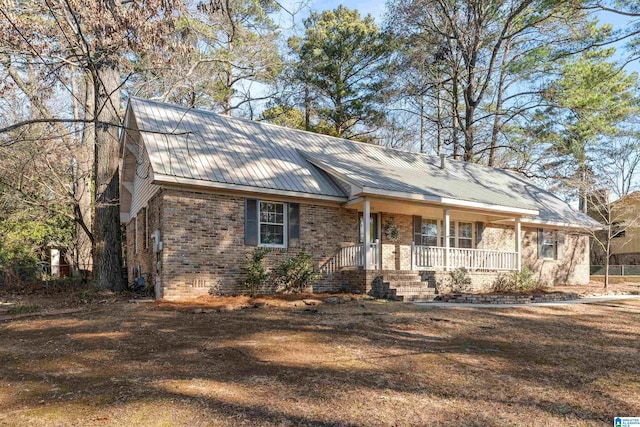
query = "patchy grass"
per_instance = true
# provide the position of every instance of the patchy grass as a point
(22, 309)
(357, 363)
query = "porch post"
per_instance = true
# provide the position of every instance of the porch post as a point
(366, 217)
(518, 237)
(413, 255)
(447, 231)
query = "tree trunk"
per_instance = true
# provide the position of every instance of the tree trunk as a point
(454, 112)
(107, 251)
(469, 133)
(606, 270)
(497, 125)
(83, 178)
(422, 124)
(307, 107)
(438, 120)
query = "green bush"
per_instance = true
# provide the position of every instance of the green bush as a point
(460, 280)
(296, 273)
(516, 282)
(256, 271)
(503, 283)
(525, 280)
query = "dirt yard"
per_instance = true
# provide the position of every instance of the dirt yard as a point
(109, 362)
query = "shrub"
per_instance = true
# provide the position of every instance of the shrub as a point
(516, 282)
(503, 283)
(525, 280)
(460, 280)
(256, 271)
(296, 273)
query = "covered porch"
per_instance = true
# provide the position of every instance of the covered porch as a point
(418, 236)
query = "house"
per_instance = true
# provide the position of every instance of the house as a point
(200, 190)
(624, 216)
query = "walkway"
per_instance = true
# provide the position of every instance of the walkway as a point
(585, 300)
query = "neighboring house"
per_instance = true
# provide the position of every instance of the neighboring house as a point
(624, 217)
(199, 191)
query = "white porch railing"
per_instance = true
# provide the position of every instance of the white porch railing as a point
(352, 256)
(427, 257)
(471, 259)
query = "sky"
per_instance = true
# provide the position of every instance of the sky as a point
(377, 10)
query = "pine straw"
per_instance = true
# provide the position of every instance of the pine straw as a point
(245, 301)
(364, 363)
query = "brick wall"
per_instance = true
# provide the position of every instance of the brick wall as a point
(145, 259)
(204, 251)
(397, 255)
(573, 268)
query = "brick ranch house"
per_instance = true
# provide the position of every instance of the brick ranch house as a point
(199, 191)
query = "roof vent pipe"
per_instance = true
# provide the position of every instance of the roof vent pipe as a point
(443, 161)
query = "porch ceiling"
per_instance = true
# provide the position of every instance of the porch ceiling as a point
(428, 210)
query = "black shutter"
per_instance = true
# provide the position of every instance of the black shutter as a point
(540, 239)
(479, 231)
(294, 224)
(417, 229)
(251, 222)
(374, 223)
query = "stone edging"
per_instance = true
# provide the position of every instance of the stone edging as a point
(507, 299)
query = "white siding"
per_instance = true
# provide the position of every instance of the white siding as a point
(143, 190)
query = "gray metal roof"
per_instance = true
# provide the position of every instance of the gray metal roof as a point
(199, 145)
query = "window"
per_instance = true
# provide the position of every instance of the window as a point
(465, 235)
(617, 230)
(429, 233)
(272, 223)
(547, 244)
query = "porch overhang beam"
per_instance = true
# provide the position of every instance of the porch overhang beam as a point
(354, 201)
(447, 202)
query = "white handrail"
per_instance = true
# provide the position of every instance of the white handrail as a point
(352, 256)
(471, 259)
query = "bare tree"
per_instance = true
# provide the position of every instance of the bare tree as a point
(95, 39)
(612, 198)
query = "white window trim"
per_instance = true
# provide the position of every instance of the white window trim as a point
(285, 225)
(438, 230)
(472, 238)
(554, 233)
(455, 228)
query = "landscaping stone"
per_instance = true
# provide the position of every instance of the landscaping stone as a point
(312, 301)
(507, 299)
(332, 300)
